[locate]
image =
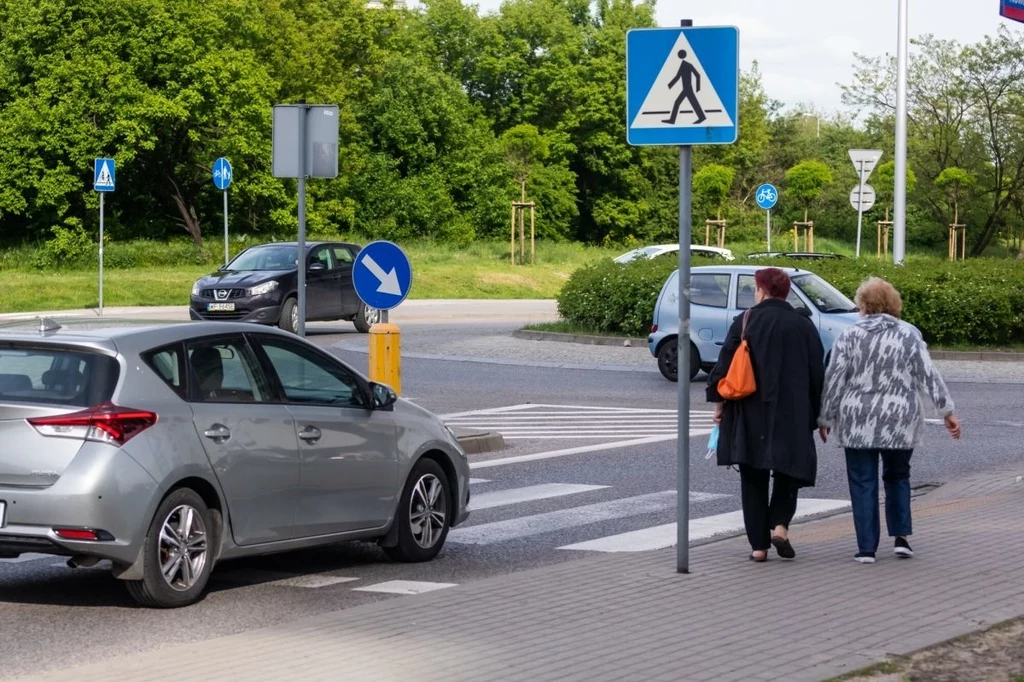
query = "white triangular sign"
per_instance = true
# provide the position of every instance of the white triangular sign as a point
(680, 90)
(104, 179)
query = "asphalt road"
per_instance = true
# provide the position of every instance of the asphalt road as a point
(566, 478)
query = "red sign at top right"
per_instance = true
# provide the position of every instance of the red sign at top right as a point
(1012, 9)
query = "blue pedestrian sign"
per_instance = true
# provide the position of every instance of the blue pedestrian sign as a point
(682, 85)
(767, 196)
(103, 175)
(382, 275)
(222, 173)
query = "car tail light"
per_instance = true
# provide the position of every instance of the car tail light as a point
(106, 423)
(86, 534)
(654, 328)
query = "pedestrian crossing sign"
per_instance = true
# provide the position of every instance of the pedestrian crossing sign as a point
(682, 85)
(103, 175)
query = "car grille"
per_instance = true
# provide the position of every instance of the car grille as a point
(223, 314)
(219, 296)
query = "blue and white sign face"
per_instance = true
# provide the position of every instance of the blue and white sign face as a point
(103, 175)
(222, 173)
(682, 85)
(1012, 9)
(767, 196)
(382, 275)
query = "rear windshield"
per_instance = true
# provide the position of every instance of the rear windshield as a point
(55, 376)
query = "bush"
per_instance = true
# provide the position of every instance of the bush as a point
(70, 246)
(977, 303)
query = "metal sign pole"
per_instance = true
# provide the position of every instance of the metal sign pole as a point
(225, 227)
(768, 229)
(683, 358)
(860, 206)
(300, 328)
(101, 253)
(900, 201)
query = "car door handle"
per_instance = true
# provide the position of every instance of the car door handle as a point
(218, 433)
(310, 434)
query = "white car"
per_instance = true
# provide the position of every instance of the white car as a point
(663, 249)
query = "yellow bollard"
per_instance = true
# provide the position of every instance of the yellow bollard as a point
(385, 355)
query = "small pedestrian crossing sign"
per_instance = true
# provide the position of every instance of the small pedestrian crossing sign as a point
(103, 175)
(682, 85)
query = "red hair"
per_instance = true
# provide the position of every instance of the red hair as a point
(773, 282)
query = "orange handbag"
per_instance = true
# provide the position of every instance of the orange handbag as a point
(739, 382)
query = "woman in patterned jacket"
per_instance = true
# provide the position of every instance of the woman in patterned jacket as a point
(879, 367)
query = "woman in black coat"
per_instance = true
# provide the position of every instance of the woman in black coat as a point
(772, 430)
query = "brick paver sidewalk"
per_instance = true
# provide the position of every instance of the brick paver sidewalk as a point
(632, 617)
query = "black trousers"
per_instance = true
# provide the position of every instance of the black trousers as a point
(760, 515)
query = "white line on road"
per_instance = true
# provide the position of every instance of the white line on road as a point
(544, 491)
(479, 481)
(312, 581)
(661, 537)
(404, 587)
(583, 449)
(574, 517)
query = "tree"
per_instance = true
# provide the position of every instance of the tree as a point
(711, 186)
(956, 184)
(524, 149)
(885, 184)
(805, 182)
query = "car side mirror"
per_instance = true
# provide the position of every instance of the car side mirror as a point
(317, 267)
(383, 396)
(804, 311)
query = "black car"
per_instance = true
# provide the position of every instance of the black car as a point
(260, 284)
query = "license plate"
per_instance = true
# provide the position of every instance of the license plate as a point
(220, 307)
(3, 514)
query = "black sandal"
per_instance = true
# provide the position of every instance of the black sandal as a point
(783, 547)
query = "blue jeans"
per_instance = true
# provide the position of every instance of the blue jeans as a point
(862, 472)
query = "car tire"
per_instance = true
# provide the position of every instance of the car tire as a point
(668, 360)
(423, 542)
(183, 513)
(365, 318)
(286, 322)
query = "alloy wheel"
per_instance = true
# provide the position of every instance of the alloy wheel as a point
(295, 318)
(428, 509)
(183, 548)
(371, 315)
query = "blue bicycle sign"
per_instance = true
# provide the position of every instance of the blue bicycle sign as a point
(767, 196)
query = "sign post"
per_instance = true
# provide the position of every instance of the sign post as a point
(899, 228)
(864, 161)
(102, 182)
(382, 277)
(222, 180)
(682, 88)
(767, 196)
(305, 145)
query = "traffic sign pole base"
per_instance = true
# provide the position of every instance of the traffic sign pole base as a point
(385, 355)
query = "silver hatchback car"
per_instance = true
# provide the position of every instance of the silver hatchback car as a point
(166, 448)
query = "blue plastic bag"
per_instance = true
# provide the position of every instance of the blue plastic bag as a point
(712, 443)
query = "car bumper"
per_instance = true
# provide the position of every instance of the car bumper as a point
(654, 340)
(259, 309)
(103, 490)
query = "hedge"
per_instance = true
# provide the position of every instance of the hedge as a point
(975, 303)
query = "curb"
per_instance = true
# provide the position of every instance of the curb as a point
(479, 442)
(587, 339)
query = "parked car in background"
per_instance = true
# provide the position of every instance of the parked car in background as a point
(804, 255)
(261, 283)
(673, 249)
(168, 448)
(718, 294)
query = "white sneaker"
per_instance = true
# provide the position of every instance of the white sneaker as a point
(864, 558)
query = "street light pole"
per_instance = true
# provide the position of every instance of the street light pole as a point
(900, 200)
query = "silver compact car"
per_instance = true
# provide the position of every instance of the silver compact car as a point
(167, 448)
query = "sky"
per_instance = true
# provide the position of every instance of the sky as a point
(805, 47)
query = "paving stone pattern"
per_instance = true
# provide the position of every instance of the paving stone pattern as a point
(635, 618)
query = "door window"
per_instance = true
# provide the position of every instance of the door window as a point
(224, 371)
(166, 362)
(322, 255)
(710, 290)
(309, 379)
(343, 255)
(746, 288)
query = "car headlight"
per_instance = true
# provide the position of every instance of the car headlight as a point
(264, 288)
(195, 288)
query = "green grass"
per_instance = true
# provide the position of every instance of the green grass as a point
(153, 274)
(563, 327)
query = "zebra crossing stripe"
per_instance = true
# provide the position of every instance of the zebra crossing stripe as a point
(583, 449)
(404, 587)
(544, 491)
(664, 536)
(573, 517)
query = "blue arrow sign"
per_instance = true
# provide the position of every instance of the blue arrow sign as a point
(767, 196)
(682, 85)
(222, 173)
(103, 175)
(382, 275)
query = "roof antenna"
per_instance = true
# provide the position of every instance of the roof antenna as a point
(47, 325)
